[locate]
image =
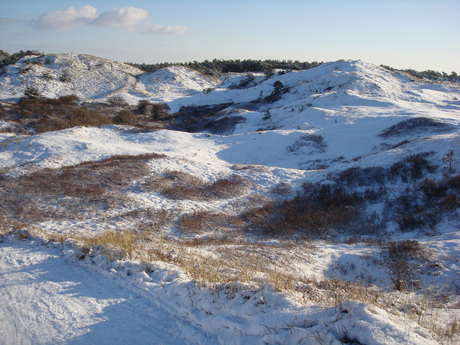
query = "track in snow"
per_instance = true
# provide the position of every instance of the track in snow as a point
(45, 299)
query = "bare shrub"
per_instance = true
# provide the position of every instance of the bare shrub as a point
(405, 259)
(125, 117)
(176, 185)
(155, 111)
(313, 140)
(282, 189)
(224, 188)
(260, 217)
(195, 222)
(357, 176)
(181, 185)
(48, 125)
(413, 167)
(60, 101)
(86, 117)
(321, 210)
(205, 221)
(439, 197)
(415, 125)
(117, 101)
(72, 191)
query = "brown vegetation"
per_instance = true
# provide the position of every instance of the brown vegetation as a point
(71, 191)
(181, 185)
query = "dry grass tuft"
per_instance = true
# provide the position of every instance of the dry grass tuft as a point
(116, 245)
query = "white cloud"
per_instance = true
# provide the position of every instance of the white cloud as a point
(168, 30)
(126, 17)
(65, 19)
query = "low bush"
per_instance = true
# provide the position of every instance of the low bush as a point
(181, 185)
(320, 210)
(405, 261)
(117, 101)
(413, 167)
(205, 221)
(356, 176)
(125, 117)
(423, 205)
(86, 117)
(71, 192)
(314, 140)
(48, 125)
(155, 111)
(415, 125)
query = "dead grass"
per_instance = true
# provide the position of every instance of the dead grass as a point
(116, 245)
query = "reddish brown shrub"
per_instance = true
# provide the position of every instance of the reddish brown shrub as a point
(125, 117)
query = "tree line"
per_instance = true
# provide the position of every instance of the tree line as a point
(9, 59)
(218, 67)
(428, 74)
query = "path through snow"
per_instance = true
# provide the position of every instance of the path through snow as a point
(45, 299)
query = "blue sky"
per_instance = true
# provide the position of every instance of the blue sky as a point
(417, 34)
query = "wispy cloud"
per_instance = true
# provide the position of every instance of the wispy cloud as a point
(167, 30)
(126, 18)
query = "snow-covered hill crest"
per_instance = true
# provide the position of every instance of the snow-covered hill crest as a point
(94, 78)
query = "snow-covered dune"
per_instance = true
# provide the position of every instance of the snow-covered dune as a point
(65, 74)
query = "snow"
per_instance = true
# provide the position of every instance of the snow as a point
(46, 299)
(331, 119)
(47, 296)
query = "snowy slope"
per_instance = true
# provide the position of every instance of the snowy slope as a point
(94, 78)
(65, 74)
(174, 82)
